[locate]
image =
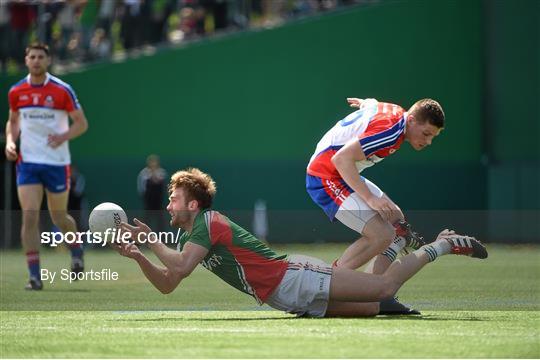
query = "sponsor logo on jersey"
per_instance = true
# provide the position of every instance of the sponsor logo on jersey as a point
(37, 115)
(321, 283)
(338, 193)
(212, 262)
(23, 97)
(49, 101)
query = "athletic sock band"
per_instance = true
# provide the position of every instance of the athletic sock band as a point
(32, 259)
(436, 249)
(395, 247)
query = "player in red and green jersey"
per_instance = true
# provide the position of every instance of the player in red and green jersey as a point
(235, 255)
(297, 284)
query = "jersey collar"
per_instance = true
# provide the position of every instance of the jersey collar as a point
(47, 78)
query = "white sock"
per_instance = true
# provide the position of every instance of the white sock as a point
(437, 248)
(395, 247)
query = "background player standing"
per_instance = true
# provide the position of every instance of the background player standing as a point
(39, 108)
(152, 187)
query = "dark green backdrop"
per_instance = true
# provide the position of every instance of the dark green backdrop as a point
(249, 108)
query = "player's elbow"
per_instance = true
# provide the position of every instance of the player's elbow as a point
(182, 271)
(174, 276)
(169, 286)
(340, 160)
(337, 159)
(166, 290)
(84, 126)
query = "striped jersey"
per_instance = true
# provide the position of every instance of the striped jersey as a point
(43, 110)
(236, 256)
(378, 126)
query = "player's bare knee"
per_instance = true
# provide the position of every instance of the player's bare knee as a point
(373, 309)
(386, 293)
(388, 234)
(30, 219)
(388, 288)
(381, 232)
(60, 219)
(396, 217)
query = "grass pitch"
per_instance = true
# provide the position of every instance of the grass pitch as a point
(471, 308)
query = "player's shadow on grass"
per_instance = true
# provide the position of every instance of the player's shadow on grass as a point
(208, 319)
(69, 290)
(378, 318)
(428, 318)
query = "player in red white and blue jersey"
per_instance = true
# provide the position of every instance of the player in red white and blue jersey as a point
(297, 284)
(40, 108)
(362, 139)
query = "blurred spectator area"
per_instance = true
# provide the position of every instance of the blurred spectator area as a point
(82, 31)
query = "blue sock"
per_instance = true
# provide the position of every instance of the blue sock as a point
(76, 251)
(32, 259)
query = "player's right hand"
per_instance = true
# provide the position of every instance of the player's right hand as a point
(386, 208)
(11, 151)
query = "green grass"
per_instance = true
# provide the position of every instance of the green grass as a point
(471, 308)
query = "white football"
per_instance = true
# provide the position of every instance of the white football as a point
(106, 216)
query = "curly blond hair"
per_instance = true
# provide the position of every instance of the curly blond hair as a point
(196, 184)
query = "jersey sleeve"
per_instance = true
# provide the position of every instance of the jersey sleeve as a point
(12, 98)
(71, 101)
(212, 228)
(383, 131)
(200, 235)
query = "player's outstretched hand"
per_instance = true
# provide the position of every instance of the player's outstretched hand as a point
(355, 102)
(445, 232)
(129, 250)
(11, 151)
(139, 232)
(449, 233)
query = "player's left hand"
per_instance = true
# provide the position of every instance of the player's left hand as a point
(355, 102)
(55, 140)
(129, 250)
(445, 232)
(11, 151)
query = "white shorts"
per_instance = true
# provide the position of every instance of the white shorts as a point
(305, 288)
(355, 212)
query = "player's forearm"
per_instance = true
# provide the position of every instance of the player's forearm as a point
(12, 131)
(348, 171)
(75, 130)
(170, 258)
(157, 275)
